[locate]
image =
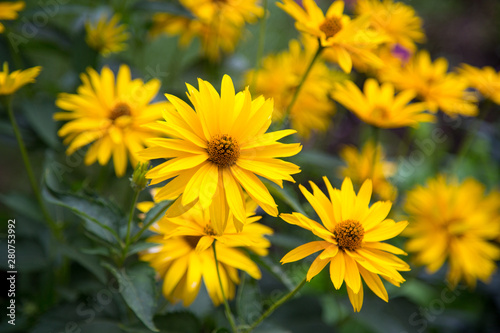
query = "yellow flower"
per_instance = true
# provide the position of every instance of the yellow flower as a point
(352, 236)
(214, 37)
(360, 167)
(280, 75)
(110, 116)
(343, 37)
(184, 255)
(486, 80)
(217, 149)
(216, 23)
(378, 105)
(235, 12)
(395, 19)
(9, 11)
(107, 36)
(10, 83)
(433, 85)
(454, 221)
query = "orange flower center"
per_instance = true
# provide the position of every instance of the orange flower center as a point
(120, 109)
(223, 150)
(349, 235)
(381, 112)
(331, 26)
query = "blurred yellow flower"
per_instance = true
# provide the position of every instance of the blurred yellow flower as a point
(395, 19)
(352, 236)
(214, 37)
(110, 116)
(378, 106)
(343, 38)
(454, 221)
(218, 24)
(106, 36)
(11, 82)
(217, 149)
(9, 11)
(486, 80)
(279, 77)
(433, 85)
(184, 255)
(361, 166)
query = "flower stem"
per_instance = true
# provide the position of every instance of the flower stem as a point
(276, 305)
(301, 83)
(29, 170)
(229, 314)
(130, 216)
(146, 227)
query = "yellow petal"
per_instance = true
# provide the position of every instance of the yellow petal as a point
(304, 251)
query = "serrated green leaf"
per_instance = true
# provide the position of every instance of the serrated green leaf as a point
(138, 288)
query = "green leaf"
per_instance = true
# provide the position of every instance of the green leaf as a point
(287, 196)
(249, 302)
(88, 261)
(138, 247)
(39, 114)
(101, 217)
(138, 288)
(178, 322)
(22, 204)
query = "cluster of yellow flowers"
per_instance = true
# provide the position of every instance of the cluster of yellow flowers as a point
(218, 24)
(215, 151)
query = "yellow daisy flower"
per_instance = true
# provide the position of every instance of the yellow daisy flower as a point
(378, 106)
(455, 222)
(9, 11)
(343, 37)
(352, 236)
(433, 85)
(395, 19)
(279, 77)
(110, 116)
(107, 36)
(184, 255)
(11, 82)
(214, 37)
(218, 149)
(360, 167)
(486, 80)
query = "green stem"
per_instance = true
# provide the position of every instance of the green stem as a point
(276, 305)
(301, 83)
(146, 227)
(52, 224)
(260, 46)
(131, 216)
(229, 314)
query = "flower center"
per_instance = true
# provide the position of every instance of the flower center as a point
(223, 150)
(120, 109)
(381, 112)
(331, 26)
(192, 240)
(208, 230)
(349, 235)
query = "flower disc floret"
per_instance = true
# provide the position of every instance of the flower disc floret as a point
(223, 150)
(349, 235)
